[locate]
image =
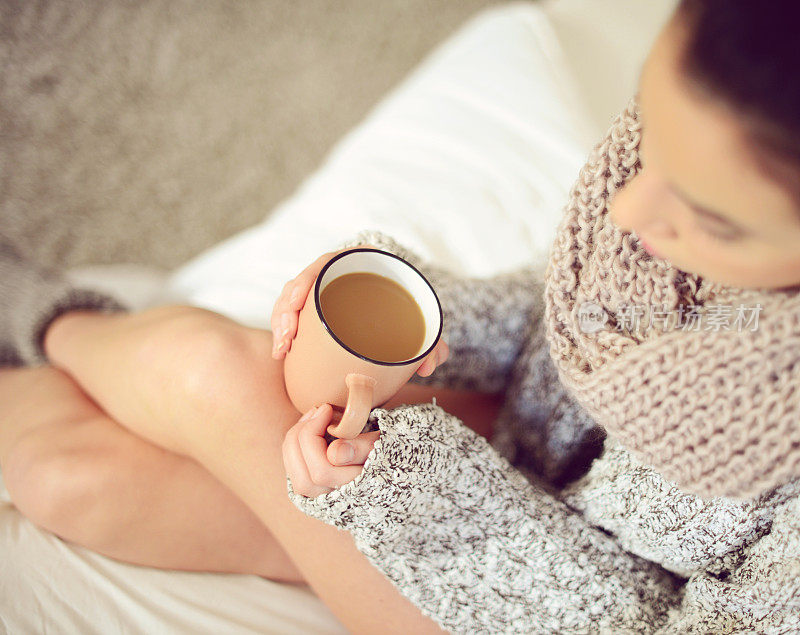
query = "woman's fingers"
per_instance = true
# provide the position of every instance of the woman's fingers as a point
(352, 451)
(295, 465)
(287, 308)
(280, 322)
(313, 447)
(286, 312)
(436, 357)
(428, 366)
(305, 280)
(444, 352)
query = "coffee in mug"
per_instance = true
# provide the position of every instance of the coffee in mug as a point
(374, 316)
(369, 323)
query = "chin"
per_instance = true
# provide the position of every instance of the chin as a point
(733, 281)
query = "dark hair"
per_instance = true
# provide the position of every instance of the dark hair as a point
(746, 53)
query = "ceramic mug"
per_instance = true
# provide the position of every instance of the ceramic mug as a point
(320, 368)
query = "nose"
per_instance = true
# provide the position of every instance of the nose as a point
(642, 205)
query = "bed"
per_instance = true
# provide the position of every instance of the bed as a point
(469, 162)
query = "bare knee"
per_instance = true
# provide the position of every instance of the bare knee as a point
(46, 478)
(55, 486)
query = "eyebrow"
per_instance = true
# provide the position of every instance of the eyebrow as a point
(707, 213)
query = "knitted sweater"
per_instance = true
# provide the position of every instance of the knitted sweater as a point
(550, 528)
(698, 378)
(31, 298)
(517, 535)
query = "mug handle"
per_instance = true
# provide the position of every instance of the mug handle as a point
(359, 404)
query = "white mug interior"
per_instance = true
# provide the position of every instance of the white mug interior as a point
(382, 263)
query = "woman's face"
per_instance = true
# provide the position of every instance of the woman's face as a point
(700, 201)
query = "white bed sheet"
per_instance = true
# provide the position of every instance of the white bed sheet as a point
(469, 162)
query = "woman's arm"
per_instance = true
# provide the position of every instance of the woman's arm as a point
(486, 320)
(762, 595)
(480, 549)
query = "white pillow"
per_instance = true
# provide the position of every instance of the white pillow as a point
(469, 162)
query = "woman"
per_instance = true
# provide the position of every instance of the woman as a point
(689, 518)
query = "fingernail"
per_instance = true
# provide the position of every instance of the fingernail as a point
(284, 325)
(295, 293)
(345, 452)
(309, 414)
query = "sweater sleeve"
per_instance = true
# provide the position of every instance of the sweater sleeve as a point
(479, 548)
(762, 595)
(31, 297)
(486, 320)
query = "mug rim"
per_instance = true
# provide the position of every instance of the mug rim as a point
(345, 346)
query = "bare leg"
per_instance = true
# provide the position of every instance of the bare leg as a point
(76, 472)
(363, 599)
(138, 503)
(251, 465)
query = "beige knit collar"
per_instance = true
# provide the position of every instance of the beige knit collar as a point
(717, 410)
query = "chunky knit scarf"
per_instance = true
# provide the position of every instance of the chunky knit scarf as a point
(691, 389)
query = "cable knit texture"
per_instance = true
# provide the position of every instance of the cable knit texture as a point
(557, 526)
(715, 407)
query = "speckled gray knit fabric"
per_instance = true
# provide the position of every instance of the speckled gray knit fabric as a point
(486, 546)
(711, 404)
(553, 527)
(482, 545)
(476, 546)
(31, 298)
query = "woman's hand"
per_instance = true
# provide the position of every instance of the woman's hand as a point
(313, 466)
(286, 312)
